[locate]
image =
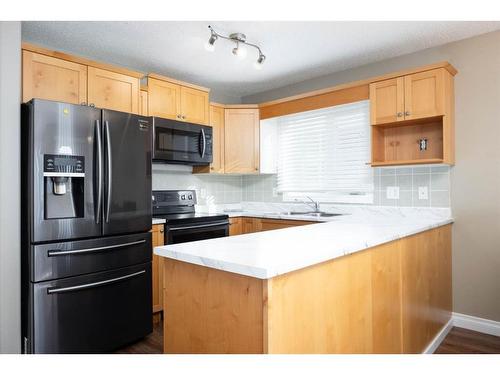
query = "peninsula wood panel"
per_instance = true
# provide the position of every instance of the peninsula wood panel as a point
(113, 90)
(426, 287)
(194, 105)
(329, 99)
(393, 298)
(157, 271)
(241, 140)
(211, 311)
(387, 101)
(386, 298)
(46, 77)
(164, 99)
(324, 308)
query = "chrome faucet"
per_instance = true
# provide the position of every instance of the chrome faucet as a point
(313, 203)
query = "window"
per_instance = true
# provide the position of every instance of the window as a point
(323, 154)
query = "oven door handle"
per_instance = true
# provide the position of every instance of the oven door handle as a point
(93, 285)
(216, 224)
(53, 253)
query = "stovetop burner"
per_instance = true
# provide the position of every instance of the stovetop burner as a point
(178, 206)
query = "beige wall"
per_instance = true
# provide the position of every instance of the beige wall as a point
(475, 180)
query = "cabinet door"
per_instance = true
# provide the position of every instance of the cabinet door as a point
(157, 269)
(143, 103)
(217, 123)
(164, 99)
(241, 140)
(387, 101)
(112, 90)
(424, 94)
(194, 105)
(49, 78)
(235, 226)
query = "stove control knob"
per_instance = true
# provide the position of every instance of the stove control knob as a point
(190, 196)
(183, 197)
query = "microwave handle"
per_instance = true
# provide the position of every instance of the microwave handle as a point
(203, 143)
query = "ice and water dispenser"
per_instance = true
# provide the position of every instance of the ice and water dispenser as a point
(64, 180)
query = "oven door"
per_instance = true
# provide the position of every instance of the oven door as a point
(180, 142)
(196, 231)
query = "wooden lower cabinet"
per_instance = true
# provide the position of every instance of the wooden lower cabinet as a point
(392, 298)
(157, 274)
(235, 226)
(243, 225)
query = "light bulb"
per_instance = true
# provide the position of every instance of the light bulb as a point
(240, 51)
(209, 47)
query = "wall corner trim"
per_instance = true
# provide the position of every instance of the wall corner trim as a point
(474, 323)
(438, 339)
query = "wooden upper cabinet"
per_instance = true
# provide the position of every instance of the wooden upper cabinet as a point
(424, 94)
(387, 101)
(217, 123)
(194, 105)
(46, 77)
(143, 103)
(241, 140)
(177, 102)
(112, 90)
(164, 99)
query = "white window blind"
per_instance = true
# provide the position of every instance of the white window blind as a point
(323, 153)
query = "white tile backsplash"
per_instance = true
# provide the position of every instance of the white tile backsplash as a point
(226, 189)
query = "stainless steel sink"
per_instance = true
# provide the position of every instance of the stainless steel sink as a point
(313, 214)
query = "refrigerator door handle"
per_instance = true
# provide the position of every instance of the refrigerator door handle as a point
(110, 171)
(53, 253)
(99, 172)
(93, 285)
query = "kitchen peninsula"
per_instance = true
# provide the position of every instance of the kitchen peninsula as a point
(360, 283)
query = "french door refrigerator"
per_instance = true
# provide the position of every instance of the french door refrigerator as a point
(86, 216)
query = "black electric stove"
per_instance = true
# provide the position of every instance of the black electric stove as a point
(182, 223)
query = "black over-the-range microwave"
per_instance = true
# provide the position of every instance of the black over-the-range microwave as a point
(181, 142)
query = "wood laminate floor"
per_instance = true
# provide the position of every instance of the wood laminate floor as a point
(458, 341)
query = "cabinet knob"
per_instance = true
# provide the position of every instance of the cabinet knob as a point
(183, 117)
(256, 169)
(400, 114)
(178, 116)
(161, 230)
(407, 113)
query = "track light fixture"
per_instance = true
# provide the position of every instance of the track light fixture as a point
(239, 50)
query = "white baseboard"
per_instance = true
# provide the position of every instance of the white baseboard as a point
(438, 339)
(491, 327)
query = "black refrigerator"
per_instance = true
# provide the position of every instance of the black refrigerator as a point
(86, 216)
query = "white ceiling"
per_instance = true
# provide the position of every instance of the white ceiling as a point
(295, 51)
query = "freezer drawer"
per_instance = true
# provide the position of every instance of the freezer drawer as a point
(64, 259)
(95, 313)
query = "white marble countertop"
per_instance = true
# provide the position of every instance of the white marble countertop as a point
(268, 254)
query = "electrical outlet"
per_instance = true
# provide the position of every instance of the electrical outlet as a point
(423, 192)
(392, 192)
